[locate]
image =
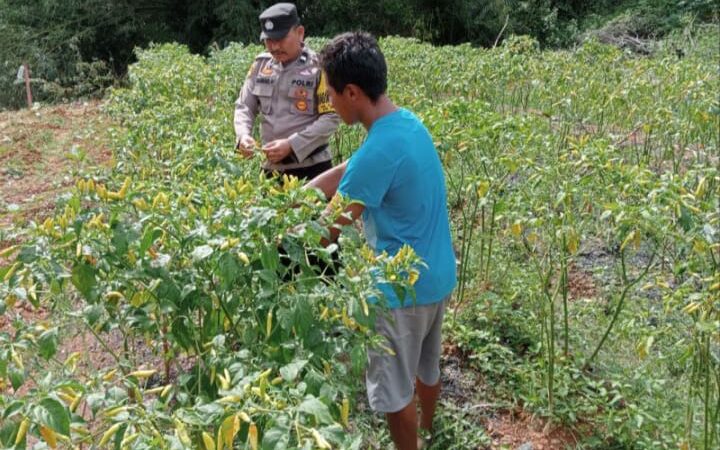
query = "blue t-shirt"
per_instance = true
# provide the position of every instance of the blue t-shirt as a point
(396, 173)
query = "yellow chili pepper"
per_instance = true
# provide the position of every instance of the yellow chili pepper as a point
(345, 412)
(253, 436)
(22, 431)
(109, 434)
(49, 436)
(208, 441)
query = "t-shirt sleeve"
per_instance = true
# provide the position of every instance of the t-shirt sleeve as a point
(368, 177)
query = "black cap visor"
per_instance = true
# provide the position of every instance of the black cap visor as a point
(275, 35)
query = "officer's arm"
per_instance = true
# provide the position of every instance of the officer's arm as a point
(318, 133)
(246, 108)
(304, 142)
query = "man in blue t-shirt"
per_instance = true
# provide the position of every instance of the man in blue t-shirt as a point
(396, 183)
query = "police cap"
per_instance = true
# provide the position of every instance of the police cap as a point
(277, 20)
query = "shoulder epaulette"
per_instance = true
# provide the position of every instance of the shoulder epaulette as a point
(310, 56)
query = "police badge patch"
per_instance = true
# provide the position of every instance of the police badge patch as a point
(267, 70)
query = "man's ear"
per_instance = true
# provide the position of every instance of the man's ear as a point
(353, 92)
(301, 32)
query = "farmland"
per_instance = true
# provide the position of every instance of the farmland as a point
(585, 199)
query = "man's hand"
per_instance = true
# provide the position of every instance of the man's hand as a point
(277, 150)
(246, 146)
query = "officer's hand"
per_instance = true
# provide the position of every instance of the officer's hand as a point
(277, 150)
(246, 146)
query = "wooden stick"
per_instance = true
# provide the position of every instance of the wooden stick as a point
(26, 73)
(501, 31)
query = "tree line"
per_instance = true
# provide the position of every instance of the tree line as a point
(76, 48)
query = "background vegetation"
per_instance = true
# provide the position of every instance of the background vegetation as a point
(76, 48)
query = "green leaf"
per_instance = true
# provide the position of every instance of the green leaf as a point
(182, 331)
(316, 408)
(83, 278)
(168, 294)
(685, 220)
(358, 359)
(270, 258)
(303, 318)
(229, 270)
(119, 436)
(333, 433)
(92, 314)
(291, 371)
(276, 438)
(17, 378)
(48, 343)
(12, 408)
(8, 431)
(53, 415)
(120, 239)
(148, 238)
(28, 254)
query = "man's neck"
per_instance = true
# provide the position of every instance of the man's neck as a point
(292, 60)
(374, 111)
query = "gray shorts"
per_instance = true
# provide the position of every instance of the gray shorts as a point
(413, 333)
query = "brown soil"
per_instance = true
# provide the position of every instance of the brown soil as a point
(26, 311)
(41, 150)
(513, 429)
(581, 284)
(508, 428)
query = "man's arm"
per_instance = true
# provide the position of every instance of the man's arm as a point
(328, 181)
(351, 214)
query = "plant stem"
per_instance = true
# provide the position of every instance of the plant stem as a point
(621, 301)
(104, 345)
(564, 288)
(706, 348)
(491, 239)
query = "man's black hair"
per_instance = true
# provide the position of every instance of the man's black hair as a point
(355, 58)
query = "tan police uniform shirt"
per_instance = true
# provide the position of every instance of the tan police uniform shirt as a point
(294, 104)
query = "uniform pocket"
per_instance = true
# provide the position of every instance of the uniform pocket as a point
(264, 93)
(301, 100)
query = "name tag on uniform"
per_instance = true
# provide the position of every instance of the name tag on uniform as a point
(303, 83)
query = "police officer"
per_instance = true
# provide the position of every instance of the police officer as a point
(286, 85)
